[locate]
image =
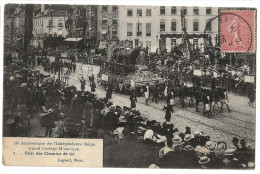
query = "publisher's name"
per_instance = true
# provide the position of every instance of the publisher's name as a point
(64, 160)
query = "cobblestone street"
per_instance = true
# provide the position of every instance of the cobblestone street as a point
(223, 126)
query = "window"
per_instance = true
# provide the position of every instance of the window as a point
(208, 11)
(196, 26)
(184, 10)
(148, 12)
(50, 22)
(139, 29)
(114, 21)
(104, 8)
(148, 29)
(173, 10)
(139, 12)
(104, 21)
(162, 26)
(196, 11)
(173, 26)
(208, 25)
(129, 29)
(129, 12)
(114, 8)
(114, 33)
(162, 10)
(60, 24)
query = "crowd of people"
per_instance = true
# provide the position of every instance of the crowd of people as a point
(66, 111)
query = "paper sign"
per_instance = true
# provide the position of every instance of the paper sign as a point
(104, 77)
(52, 152)
(249, 79)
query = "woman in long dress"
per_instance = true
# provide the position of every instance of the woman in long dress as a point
(146, 93)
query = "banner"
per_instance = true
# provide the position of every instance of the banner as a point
(64, 55)
(197, 72)
(104, 77)
(249, 79)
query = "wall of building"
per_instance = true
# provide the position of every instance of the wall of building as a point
(155, 19)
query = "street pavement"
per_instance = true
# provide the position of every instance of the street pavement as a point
(221, 127)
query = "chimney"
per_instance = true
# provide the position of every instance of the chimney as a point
(42, 7)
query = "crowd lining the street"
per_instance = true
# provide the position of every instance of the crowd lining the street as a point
(66, 111)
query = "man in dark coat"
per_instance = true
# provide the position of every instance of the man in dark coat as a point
(168, 111)
(82, 83)
(133, 99)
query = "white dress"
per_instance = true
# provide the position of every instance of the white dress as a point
(146, 94)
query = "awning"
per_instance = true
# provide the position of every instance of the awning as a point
(73, 39)
(190, 36)
(102, 44)
(104, 32)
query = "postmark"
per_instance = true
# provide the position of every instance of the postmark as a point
(237, 31)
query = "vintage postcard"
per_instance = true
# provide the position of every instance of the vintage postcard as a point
(129, 86)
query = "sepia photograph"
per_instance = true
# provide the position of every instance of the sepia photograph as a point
(161, 86)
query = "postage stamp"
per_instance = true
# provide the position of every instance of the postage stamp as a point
(237, 30)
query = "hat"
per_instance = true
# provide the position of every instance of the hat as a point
(23, 85)
(222, 145)
(11, 78)
(112, 108)
(188, 147)
(50, 110)
(133, 109)
(176, 139)
(208, 143)
(220, 153)
(204, 160)
(212, 147)
(197, 133)
(122, 119)
(141, 129)
(187, 137)
(153, 166)
(251, 164)
(230, 152)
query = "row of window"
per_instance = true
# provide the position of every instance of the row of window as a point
(139, 12)
(105, 9)
(60, 23)
(148, 27)
(174, 26)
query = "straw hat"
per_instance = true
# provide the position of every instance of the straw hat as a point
(208, 143)
(188, 147)
(220, 153)
(204, 160)
(50, 110)
(153, 166)
(251, 164)
(230, 152)
(176, 139)
(197, 133)
(212, 147)
(187, 137)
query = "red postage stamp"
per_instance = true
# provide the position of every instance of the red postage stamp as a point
(237, 30)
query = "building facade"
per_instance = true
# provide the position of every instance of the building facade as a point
(49, 24)
(162, 26)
